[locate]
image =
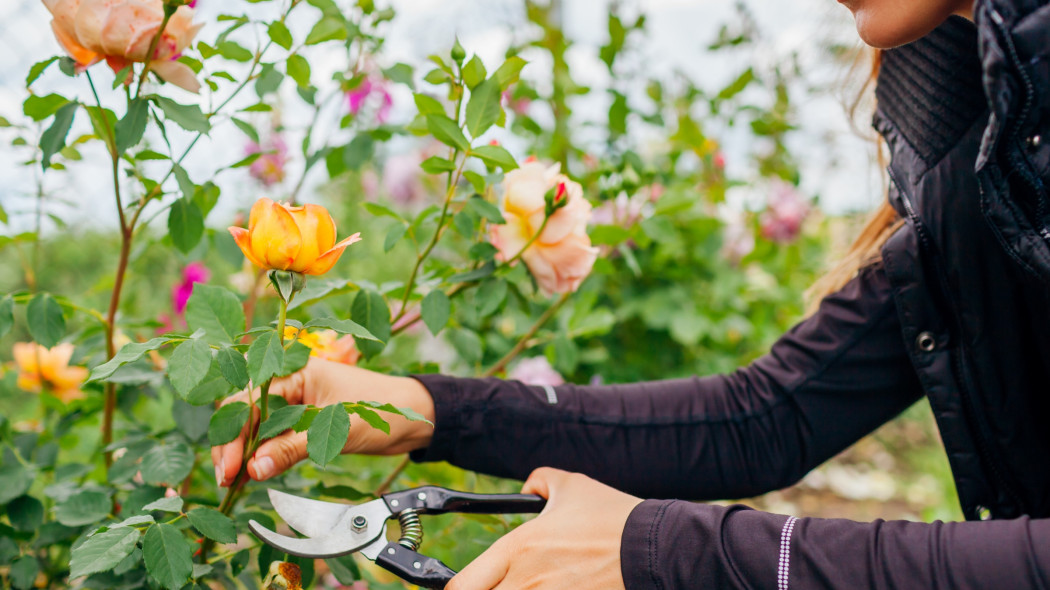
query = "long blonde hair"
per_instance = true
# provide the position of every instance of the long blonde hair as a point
(867, 248)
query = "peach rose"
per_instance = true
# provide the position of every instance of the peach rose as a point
(121, 31)
(327, 344)
(298, 239)
(562, 256)
(41, 368)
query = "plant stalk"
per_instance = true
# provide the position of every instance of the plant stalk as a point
(523, 343)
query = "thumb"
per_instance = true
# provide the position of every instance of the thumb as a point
(277, 455)
(488, 570)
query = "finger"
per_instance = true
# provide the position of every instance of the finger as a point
(277, 455)
(543, 480)
(488, 570)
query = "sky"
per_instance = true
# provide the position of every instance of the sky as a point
(840, 173)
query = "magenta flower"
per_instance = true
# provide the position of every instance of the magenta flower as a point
(195, 272)
(269, 168)
(786, 210)
(371, 90)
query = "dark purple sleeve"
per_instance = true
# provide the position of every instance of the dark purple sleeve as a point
(829, 381)
(671, 545)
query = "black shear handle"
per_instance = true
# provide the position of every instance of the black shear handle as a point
(410, 566)
(436, 500)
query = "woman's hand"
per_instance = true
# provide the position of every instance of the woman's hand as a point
(574, 544)
(322, 383)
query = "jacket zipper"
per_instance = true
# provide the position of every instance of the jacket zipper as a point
(981, 443)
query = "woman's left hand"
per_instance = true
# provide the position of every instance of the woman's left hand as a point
(574, 544)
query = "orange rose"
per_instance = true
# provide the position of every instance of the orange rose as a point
(327, 344)
(41, 368)
(562, 256)
(297, 239)
(121, 31)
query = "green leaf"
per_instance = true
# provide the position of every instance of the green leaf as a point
(233, 367)
(26, 513)
(436, 310)
(490, 296)
(428, 105)
(46, 323)
(265, 357)
(168, 556)
(189, 117)
(234, 51)
(495, 156)
(83, 508)
(359, 151)
(486, 210)
(467, 343)
(165, 504)
(23, 572)
(127, 354)
(329, 28)
(400, 73)
(393, 236)
(217, 311)
(447, 132)
(406, 412)
(227, 422)
(213, 524)
(167, 464)
(342, 326)
(103, 121)
(38, 69)
(131, 128)
(370, 417)
(280, 34)
(281, 420)
(295, 358)
(185, 224)
(344, 569)
(381, 211)
(483, 108)
(246, 128)
(54, 139)
(437, 165)
(102, 551)
(327, 434)
(298, 69)
(268, 80)
(188, 365)
(15, 480)
(39, 108)
(474, 72)
(509, 72)
(369, 310)
(7, 314)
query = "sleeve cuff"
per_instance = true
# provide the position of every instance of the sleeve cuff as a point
(447, 396)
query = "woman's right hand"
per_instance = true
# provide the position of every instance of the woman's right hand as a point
(322, 383)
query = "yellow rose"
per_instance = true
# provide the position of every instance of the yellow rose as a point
(326, 344)
(297, 239)
(42, 368)
(121, 31)
(562, 256)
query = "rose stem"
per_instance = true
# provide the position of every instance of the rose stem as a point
(520, 346)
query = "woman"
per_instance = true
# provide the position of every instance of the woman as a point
(945, 295)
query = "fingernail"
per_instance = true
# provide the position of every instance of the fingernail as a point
(263, 468)
(220, 472)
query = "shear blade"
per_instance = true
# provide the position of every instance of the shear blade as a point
(312, 518)
(313, 547)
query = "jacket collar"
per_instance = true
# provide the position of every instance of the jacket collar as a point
(929, 92)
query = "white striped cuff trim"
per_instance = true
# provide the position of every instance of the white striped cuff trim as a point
(785, 553)
(552, 397)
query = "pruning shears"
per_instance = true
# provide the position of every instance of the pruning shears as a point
(333, 529)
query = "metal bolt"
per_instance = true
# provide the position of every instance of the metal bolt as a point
(391, 551)
(422, 496)
(1034, 142)
(417, 565)
(394, 503)
(926, 342)
(359, 524)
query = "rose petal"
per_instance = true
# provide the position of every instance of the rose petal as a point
(177, 73)
(274, 236)
(318, 231)
(326, 261)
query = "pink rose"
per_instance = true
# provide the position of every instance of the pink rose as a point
(121, 31)
(269, 168)
(786, 210)
(562, 256)
(536, 371)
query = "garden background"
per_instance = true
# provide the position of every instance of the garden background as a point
(714, 141)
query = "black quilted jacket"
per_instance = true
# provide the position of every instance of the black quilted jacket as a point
(958, 311)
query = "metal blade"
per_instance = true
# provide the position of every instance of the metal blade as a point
(312, 547)
(313, 518)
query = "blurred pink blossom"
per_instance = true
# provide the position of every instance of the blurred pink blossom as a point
(737, 239)
(785, 211)
(536, 371)
(269, 168)
(372, 90)
(519, 105)
(195, 272)
(401, 178)
(626, 211)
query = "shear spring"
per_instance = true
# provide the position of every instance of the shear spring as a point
(411, 529)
